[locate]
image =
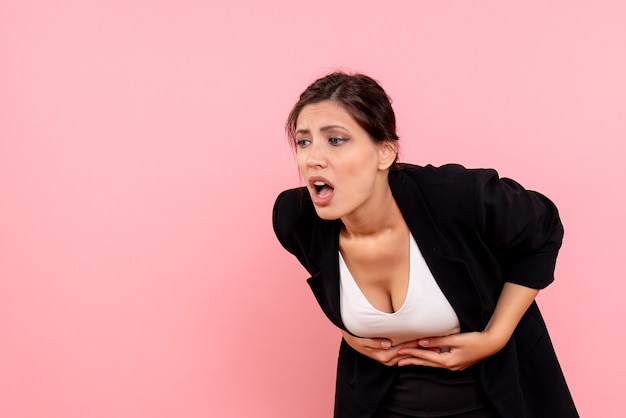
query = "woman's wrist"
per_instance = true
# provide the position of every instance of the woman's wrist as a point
(495, 339)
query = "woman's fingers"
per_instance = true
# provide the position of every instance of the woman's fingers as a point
(425, 357)
(381, 349)
(392, 356)
(381, 343)
(454, 352)
(431, 342)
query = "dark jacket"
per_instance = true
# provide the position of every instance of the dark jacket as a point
(476, 231)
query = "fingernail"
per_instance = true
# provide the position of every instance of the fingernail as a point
(385, 344)
(424, 343)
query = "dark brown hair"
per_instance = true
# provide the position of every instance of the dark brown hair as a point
(360, 95)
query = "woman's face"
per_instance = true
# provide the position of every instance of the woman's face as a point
(344, 169)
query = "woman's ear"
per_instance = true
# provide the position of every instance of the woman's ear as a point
(387, 153)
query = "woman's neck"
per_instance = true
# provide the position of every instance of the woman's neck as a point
(381, 215)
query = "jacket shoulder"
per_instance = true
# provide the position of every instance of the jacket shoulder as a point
(292, 217)
(449, 190)
(520, 227)
(446, 174)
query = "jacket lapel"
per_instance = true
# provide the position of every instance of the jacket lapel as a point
(324, 252)
(451, 274)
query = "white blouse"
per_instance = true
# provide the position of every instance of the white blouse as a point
(425, 313)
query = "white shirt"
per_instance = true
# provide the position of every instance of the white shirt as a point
(425, 313)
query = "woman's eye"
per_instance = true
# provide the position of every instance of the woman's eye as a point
(302, 143)
(336, 141)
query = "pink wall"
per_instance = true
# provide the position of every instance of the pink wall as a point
(141, 149)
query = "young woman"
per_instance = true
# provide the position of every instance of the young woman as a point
(429, 272)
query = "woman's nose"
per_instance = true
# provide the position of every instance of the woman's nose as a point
(316, 156)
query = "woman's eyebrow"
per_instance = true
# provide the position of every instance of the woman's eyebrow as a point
(303, 131)
(323, 129)
(329, 127)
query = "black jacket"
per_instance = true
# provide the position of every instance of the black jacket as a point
(476, 231)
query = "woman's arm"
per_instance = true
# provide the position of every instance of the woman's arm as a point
(459, 351)
(512, 304)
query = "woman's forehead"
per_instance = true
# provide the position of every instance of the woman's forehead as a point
(326, 113)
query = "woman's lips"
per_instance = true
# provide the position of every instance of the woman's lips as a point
(321, 191)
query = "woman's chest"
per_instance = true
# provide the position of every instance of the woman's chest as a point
(380, 268)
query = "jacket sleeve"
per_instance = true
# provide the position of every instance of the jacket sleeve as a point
(521, 227)
(289, 222)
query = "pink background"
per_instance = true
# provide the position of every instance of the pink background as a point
(141, 149)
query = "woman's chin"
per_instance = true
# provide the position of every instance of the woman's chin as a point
(327, 214)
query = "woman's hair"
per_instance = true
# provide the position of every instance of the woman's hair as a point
(360, 95)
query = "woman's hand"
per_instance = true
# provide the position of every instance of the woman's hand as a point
(379, 349)
(454, 352)
(459, 351)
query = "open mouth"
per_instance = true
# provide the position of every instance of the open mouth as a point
(322, 189)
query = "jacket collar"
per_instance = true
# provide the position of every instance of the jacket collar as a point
(416, 214)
